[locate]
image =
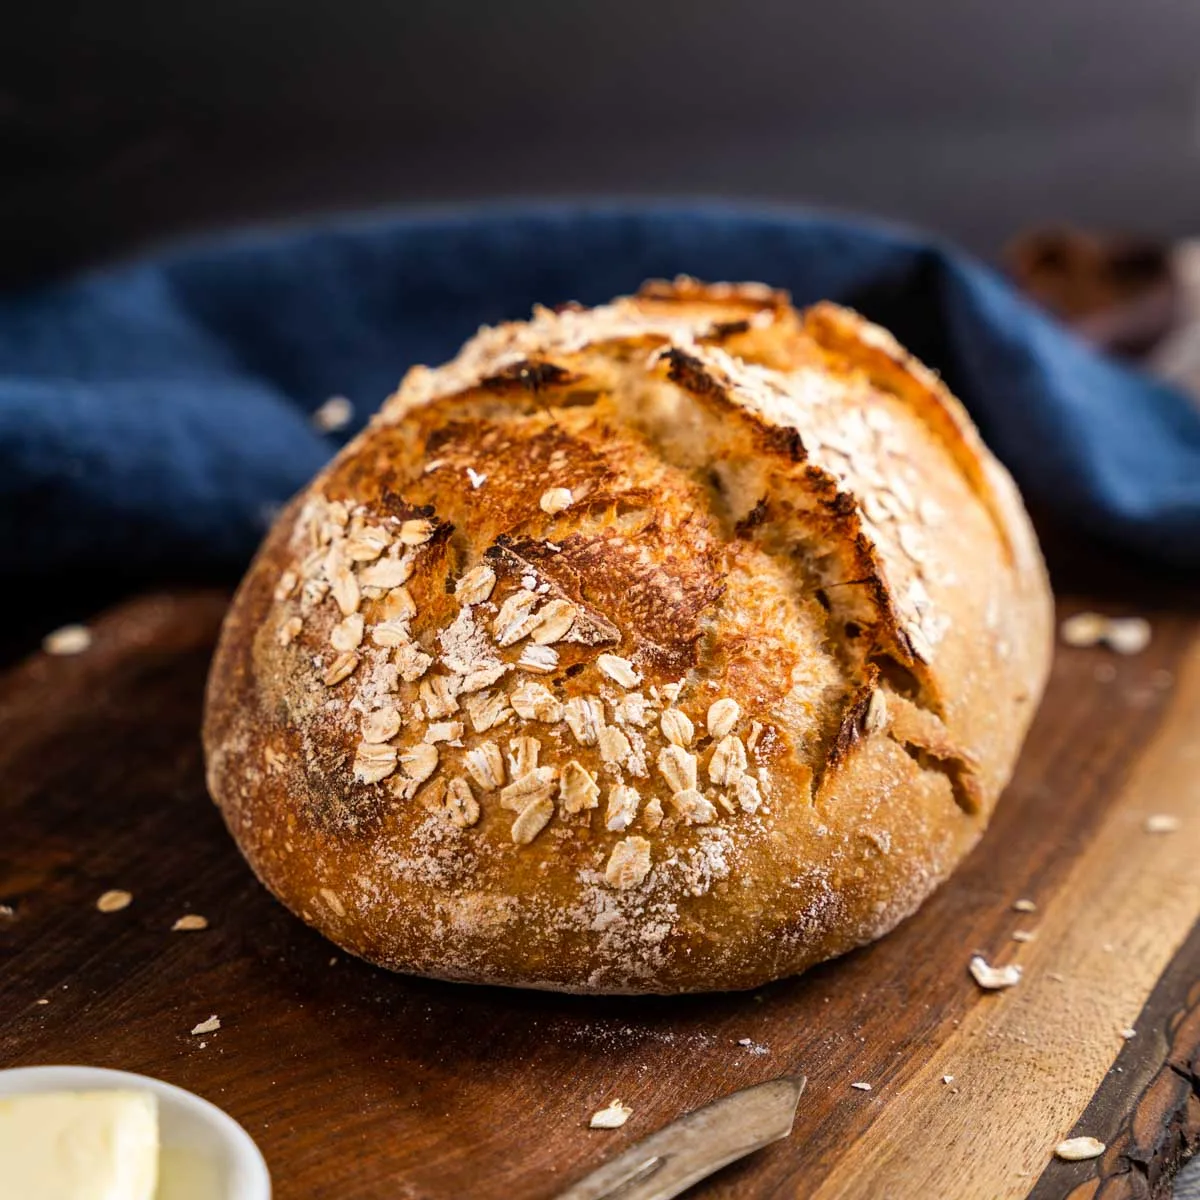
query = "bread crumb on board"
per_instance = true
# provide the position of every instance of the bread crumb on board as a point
(70, 639)
(1161, 823)
(190, 922)
(1024, 906)
(862, 1087)
(1125, 635)
(210, 1026)
(994, 978)
(612, 1117)
(113, 901)
(1077, 1149)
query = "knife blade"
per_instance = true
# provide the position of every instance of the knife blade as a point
(697, 1144)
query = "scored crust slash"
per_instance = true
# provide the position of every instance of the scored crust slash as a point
(672, 645)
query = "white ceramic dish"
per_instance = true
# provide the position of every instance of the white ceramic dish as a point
(206, 1154)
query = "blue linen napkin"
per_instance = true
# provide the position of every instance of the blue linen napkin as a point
(154, 416)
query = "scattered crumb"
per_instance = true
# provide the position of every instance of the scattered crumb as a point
(203, 1044)
(1125, 635)
(1128, 636)
(189, 922)
(862, 1087)
(1128, 1032)
(41, 1001)
(114, 901)
(7, 910)
(333, 961)
(477, 480)
(1024, 906)
(336, 413)
(1023, 935)
(1083, 629)
(210, 1026)
(1161, 823)
(994, 978)
(753, 1047)
(70, 639)
(612, 1117)
(947, 1078)
(1077, 1149)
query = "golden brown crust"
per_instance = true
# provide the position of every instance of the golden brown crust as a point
(673, 645)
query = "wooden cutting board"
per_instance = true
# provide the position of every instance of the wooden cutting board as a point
(360, 1084)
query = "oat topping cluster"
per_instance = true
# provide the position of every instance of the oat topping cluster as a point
(413, 704)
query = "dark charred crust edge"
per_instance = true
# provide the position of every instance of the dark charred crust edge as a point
(753, 519)
(689, 373)
(850, 730)
(530, 375)
(723, 330)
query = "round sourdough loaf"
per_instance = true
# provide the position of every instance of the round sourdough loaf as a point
(672, 645)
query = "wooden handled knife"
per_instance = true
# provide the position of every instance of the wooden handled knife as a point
(697, 1144)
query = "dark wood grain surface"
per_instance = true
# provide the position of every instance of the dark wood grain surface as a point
(360, 1084)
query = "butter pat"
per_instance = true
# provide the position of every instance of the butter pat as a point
(79, 1146)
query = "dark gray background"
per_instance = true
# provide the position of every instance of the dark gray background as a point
(122, 123)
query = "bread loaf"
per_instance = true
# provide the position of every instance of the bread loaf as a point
(673, 645)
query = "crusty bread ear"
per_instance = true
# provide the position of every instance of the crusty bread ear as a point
(673, 645)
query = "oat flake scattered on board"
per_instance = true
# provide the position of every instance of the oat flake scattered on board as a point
(70, 639)
(1024, 906)
(612, 1117)
(1161, 823)
(189, 922)
(1125, 635)
(862, 1087)
(947, 1078)
(994, 978)
(114, 901)
(1077, 1149)
(210, 1026)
